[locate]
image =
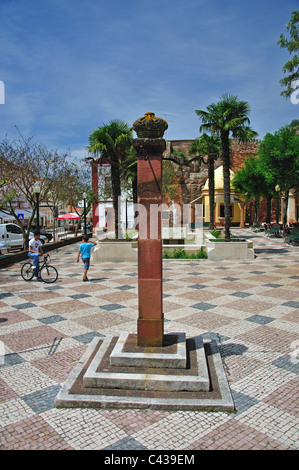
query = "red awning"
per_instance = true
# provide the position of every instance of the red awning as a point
(70, 216)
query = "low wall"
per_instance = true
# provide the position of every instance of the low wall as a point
(218, 250)
(115, 251)
(12, 258)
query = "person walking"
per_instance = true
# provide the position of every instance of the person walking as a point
(35, 251)
(84, 251)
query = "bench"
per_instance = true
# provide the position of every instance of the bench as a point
(293, 236)
(274, 231)
(194, 225)
(62, 236)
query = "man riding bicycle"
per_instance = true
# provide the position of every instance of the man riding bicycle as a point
(35, 250)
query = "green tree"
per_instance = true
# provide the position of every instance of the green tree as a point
(74, 182)
(170, 182)
(252, 182)
(208, 146)
(113, 142)
(227, 117)
(291, 67)
(22, 163)
(295, 125)
(279, 157)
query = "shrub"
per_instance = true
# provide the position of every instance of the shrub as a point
(216, 233)
(180, 253)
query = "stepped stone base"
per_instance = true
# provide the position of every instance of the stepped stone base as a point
(102, 373)
(172, 354)
(181, 375)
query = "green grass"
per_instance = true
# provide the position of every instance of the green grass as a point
(219, 235)
(180, 253)
(216, 233)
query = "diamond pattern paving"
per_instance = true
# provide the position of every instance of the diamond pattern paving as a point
(249, 307)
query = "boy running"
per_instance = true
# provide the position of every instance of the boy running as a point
(84, 250)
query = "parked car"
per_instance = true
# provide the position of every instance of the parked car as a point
(45, 237)
(13, 236)
(48, 236)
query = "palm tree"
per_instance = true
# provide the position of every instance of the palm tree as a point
(227, 117)
(252, 181)
(209, 146)
(113, 142)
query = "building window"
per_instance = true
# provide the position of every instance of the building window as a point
(221, 211)
(108, 185)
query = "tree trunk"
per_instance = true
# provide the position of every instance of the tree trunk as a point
(212, 192)
(226, 182)
(116, 193)
(285, 209)
(135, 196)
(268, 216)
(77, 227)
(54, 210)
(242, 221)
(134, 188)
(256, 211)
(26, 235)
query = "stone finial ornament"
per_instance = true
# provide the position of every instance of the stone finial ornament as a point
(150, 127)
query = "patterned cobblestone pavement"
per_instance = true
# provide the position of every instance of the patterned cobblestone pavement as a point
(249, 306)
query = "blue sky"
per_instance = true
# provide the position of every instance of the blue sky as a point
(69, 66)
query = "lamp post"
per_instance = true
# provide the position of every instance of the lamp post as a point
(277, 189)
(37, 189)
(84, 200)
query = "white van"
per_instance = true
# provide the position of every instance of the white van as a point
(13, 236)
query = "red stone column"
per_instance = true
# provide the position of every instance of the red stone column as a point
(150, 323)
(95, 190)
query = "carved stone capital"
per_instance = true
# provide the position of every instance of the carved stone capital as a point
(150, 127)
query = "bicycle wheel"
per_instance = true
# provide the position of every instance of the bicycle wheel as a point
(27, 272)
(48, 274)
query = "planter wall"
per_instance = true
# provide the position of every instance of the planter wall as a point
(218, 251)
(115, 251)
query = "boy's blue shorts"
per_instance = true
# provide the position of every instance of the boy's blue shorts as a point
(86, 262)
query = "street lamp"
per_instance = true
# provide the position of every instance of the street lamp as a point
(37, 189)
(277, 189)
(84, 200)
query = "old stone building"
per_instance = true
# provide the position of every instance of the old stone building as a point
(194, 177)
(193, 188)
(194, 183)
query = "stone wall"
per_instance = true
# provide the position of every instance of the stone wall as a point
(241, 151)
(193, 177)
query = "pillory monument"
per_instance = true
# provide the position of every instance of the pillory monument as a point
(149, 369)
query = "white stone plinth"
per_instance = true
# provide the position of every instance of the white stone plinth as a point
(221, 250)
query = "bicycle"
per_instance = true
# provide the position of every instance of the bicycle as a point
(46, 272)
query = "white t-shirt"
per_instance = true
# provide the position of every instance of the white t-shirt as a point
(35, 244)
